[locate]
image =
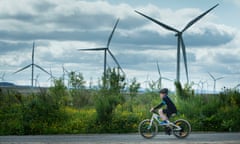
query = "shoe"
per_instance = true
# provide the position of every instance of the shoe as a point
(168, 130)
(164, 122)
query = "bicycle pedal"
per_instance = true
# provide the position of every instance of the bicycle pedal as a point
(168, 130)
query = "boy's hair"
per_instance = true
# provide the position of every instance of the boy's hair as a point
(164, 91)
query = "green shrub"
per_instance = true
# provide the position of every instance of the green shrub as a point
(109, 96)
(11, 111)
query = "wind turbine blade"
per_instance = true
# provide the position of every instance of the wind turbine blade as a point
(219, 78)
(23, 68)
(198, 18)
(158, 22)
(159, 72)
(167, 79)
(2, 76)
(116, 61)
(42, 69)
(92, 49)
(64, 70)
(184, 57)
(211, 76)
(238, 85)
(111, 35)
(51, 75)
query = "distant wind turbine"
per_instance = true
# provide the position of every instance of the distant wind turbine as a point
(147, 81)
(201, 84)
(161, 77)
(180, 42)
(2, 77)
(64, 73)
(107, 50)
(32, 65)
(36, 80)
(237, 86)
(51, 78)
(214, 80)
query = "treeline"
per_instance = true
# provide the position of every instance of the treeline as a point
(109, 109)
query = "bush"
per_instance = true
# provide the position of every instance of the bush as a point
(109, 96)
(41, 112)
(11, 111)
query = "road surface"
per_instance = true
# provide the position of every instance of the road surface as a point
(194, 138)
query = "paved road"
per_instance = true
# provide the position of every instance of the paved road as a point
(195, 138)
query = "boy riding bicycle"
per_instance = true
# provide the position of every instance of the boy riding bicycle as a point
(165, 113)
(148, 128)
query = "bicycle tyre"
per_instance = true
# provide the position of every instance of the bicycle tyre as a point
(147, 132)
(185, 128)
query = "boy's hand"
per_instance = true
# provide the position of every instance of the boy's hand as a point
(152, 109)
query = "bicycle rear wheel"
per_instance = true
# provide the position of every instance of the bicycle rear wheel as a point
(185, 128)
(146, 130)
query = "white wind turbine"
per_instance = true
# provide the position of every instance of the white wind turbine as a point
(179, 35)
(161, 77)
(214, 80)
(32, 65)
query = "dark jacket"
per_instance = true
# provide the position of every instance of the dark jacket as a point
(170, 105)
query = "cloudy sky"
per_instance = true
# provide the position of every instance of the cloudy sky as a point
(60, 27)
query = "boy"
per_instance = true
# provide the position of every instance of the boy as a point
(166, 113)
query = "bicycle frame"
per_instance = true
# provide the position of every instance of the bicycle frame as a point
(156, 117)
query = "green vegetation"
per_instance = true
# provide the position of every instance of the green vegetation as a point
(113, 108)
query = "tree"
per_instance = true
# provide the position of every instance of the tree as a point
(185, 92)
(76, 81)
(133, 90)
(60, 93)
(80, 96)
(110, 95)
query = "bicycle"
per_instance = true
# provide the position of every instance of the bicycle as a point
(148, 128)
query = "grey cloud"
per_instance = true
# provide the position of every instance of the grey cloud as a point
(209, 38)
(213, 68)
(88, 27)
(44, 6)
(55, 35)
(227, 58)
(6, 47)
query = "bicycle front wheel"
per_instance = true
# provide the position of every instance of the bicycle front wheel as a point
(183, 128)
(146, 130)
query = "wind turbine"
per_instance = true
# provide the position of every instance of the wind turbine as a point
(214, 80)
(147, 81)
(64, 74)
(180, 42)
(201, 84)
(2, 77)
(32, 65)
(107, 50)
(238, 85)
(161, 77)
(36, 80)
(51, 78)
